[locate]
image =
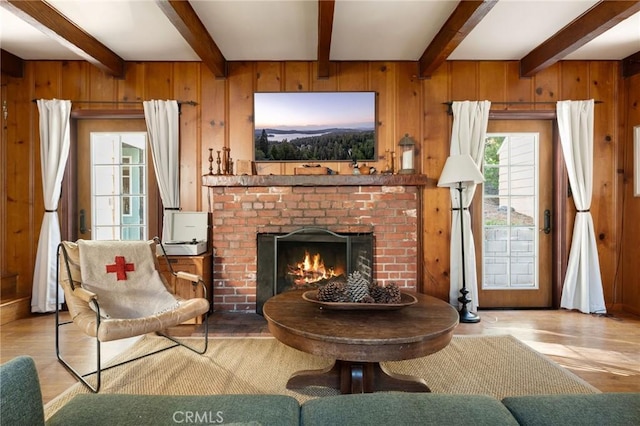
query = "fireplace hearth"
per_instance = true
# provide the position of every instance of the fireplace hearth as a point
(308, 258)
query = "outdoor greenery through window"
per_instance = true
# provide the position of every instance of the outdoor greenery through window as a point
(510, 211)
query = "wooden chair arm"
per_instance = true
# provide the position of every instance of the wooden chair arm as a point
(189, 277)
(195, 281)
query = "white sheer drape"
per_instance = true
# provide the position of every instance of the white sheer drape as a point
(54, 152)
(582, 288)
(162, 119)
(470, 120)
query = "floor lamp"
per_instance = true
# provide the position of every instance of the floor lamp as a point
(460, 171)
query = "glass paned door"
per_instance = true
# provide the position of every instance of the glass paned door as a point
(509, 215)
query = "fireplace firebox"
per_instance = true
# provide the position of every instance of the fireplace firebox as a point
(308, 258)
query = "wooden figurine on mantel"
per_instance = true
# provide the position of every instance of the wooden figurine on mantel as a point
(389, 157)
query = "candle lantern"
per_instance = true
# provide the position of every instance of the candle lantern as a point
(407, 155)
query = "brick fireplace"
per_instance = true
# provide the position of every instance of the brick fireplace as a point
(243, 207)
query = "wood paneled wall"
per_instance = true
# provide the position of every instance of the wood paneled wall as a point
(406, 104)
(628, 284)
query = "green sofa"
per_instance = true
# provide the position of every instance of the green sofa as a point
(21, 404)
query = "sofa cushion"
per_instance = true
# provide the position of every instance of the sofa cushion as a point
(612, 409)
(20, 395)
(402, 408)
(139, 410)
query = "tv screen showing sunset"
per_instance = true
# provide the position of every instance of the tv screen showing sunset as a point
(315, 126)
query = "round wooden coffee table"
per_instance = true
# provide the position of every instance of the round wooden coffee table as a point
(359, 340)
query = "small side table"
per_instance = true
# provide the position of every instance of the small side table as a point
(201, 264)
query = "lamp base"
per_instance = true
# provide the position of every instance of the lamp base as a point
(465, 315)
(468, 317)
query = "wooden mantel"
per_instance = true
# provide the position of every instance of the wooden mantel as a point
(318, 180)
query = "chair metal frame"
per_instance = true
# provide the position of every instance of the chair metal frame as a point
(99, 368)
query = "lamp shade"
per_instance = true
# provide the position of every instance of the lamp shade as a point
(460, 169)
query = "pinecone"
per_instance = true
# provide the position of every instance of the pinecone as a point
(387, 294)
(379, 294)
(392, 293)
(367, 299)
(357, 287)
(332, 292)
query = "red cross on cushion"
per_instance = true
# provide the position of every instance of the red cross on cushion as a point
(121, 268)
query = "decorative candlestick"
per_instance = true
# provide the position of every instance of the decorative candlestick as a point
(210, 161)
(225, 160)
(218, 160)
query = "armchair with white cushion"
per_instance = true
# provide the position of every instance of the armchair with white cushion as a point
(113, 291)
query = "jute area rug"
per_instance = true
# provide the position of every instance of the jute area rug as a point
(490, 365)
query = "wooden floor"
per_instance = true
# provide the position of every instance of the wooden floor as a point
(603, 350)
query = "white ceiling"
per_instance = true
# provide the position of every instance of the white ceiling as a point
(137, 30)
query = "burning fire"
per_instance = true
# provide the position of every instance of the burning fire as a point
(312, 270)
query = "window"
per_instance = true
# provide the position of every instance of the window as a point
(119, 186)
(126, 186)
(510, 211)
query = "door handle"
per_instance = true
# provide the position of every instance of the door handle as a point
(547, 222)
(83, 223)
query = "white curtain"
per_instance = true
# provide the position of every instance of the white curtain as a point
(162, 119)
(582, 288)
(54, 152)
(470, 120)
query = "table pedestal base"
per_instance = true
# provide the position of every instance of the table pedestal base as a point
(357, 377)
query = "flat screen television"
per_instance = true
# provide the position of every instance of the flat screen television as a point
(314, 126)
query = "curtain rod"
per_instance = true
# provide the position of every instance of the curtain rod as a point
(192, 103)
(450, 103)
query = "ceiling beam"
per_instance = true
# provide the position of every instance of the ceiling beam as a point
(325, 29)
(631, 65)
(10, 64)
(594, 22)
(462, 20)
(45, 18)
(181, 14)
